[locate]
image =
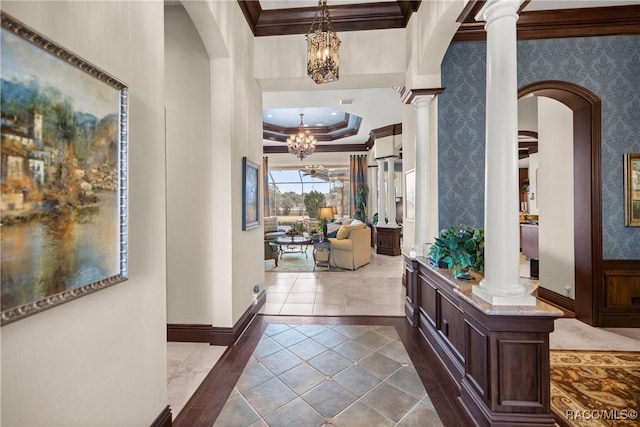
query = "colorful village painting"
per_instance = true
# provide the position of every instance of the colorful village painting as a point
(60, 199)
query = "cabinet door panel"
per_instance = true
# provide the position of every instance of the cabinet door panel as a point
(452, 325)
(428, 296)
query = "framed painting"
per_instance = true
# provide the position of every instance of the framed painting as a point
(410, 195)
(63, 174)
(250, 194)
(632, 189)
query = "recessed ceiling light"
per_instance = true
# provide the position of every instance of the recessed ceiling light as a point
(333, 113)
(269, 115)
(319, 124)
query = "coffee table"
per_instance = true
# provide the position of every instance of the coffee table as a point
(291, 245)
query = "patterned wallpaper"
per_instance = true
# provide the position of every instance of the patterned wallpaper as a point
(607, 66)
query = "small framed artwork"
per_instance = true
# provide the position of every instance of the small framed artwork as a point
(410, 195)
(632, 189)
(250, 194)
(63, 174)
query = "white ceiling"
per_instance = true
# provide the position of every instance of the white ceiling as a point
(377, 107)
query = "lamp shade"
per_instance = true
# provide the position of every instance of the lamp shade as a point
(325, 212)
(335, 210)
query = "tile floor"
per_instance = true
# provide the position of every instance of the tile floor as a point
(374, 289)
(371, 290)
(345, 375)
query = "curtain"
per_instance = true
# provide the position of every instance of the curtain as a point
(265, 186)
(358, 186)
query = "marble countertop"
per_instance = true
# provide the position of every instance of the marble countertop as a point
(464, 288)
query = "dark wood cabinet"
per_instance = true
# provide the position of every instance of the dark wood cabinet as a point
(497, 356)
(388, 240)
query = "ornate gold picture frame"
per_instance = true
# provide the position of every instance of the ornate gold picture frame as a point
(63, 174)
(632, 189)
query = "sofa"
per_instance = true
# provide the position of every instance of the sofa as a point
(351, 248)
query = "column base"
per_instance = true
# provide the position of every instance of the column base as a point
(523, 300)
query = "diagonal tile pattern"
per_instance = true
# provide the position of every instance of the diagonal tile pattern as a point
(329, 375)
(189, 363)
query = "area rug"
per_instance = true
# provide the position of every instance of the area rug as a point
(595, 388)
(294, 263)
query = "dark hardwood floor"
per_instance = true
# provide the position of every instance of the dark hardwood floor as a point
(206, 403)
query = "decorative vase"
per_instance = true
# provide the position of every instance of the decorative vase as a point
(462, 274)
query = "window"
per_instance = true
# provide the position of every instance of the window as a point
(319, 185)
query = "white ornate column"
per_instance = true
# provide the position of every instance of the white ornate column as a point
(501, 284)
(373, 191)
(381, 193)
(391, 192)
(423, 231)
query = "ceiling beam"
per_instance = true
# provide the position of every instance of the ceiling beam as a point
(348, 17)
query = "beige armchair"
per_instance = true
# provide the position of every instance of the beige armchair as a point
(351, 248)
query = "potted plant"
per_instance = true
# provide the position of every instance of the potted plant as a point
(459, 248)
(297, 229)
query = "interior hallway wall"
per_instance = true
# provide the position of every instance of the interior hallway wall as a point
(189, 172)
(236, 132)
(101, 359)
(555, 196)
(608, 66)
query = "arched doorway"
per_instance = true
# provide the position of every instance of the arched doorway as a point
(587, 222)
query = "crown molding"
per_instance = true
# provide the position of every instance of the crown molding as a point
(389, 130)
(552, 24)
(341, 129)
(320, 148)
(409, 95)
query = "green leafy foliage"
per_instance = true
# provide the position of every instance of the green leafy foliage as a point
(312, 201)
(460, 248)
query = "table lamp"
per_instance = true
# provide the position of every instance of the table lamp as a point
(324, 213)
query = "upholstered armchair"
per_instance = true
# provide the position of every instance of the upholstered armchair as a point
(271, 230)
(351, 248)
(271, 251)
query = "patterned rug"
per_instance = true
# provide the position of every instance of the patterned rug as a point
(295, 263)
(595, 388)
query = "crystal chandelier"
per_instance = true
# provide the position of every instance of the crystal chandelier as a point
(301, 144)
(322, 47)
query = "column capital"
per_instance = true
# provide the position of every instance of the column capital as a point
(422, 101)
(495, 9)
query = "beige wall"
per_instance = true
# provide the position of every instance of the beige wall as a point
(534, 166)
(101, 359)
(189, 172)
(374, 58)
(555, 196)
(236, 131)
